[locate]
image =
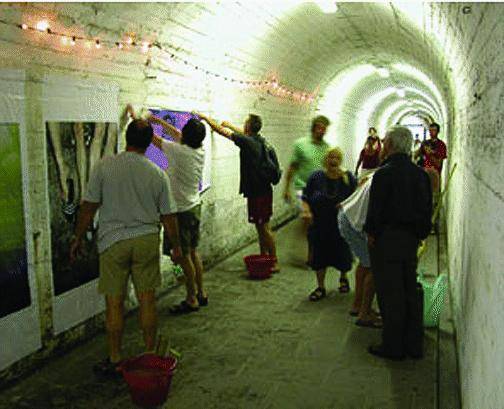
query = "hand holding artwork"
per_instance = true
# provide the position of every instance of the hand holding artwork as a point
(130, 111)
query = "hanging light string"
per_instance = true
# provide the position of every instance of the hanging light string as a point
(271, 85)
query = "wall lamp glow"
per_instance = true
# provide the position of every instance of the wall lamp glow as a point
(327, 6)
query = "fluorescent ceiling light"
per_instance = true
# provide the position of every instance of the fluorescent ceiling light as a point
(383, 72)
(327, 6)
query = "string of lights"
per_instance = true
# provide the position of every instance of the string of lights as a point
(271, 86)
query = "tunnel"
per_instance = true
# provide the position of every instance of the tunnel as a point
(360, 64)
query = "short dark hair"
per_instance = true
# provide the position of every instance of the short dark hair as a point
(321, 119)
(435, 125)
(139, 134)
(193, 133)
(255, 123)
(373, 128)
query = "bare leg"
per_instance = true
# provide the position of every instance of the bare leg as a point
(267, 239)
(359, 288)
(188, 267)
(262, 240)
(115, 325)
(305, 226)
(55, 135)
(198, 270)
(321, 278)
(366, 313)
(111, 145)
(148, 318)
(80, 147)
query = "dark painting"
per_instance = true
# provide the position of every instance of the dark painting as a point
(73, 149)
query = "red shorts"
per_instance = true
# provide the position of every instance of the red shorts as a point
(260, 209)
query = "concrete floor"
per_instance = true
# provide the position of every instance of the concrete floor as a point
(259, 344)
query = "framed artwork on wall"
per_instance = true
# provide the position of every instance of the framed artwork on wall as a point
(73, 149)
(19, 312)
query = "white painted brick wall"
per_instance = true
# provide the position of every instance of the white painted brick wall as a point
(474, 53)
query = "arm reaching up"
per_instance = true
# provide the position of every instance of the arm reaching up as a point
(215, 126)
(169, 128)
(235, 129)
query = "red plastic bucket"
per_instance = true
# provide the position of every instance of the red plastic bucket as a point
(149, 377)
(259, 266)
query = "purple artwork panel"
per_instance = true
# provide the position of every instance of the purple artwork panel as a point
(176, 118)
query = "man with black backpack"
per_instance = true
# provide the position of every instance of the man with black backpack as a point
(259, 169)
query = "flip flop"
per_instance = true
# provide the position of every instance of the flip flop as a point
(344, 286)
(202, 301)
(317, 294)
(107, 369)
(183, 308)
(369, 324)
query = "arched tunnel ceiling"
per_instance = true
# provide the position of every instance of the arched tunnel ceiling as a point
(305, 48)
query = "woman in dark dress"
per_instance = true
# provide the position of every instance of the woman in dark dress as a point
(324, 191)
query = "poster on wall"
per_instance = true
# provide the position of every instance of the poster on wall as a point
(14, 282)
(73, 149)
(178, 119)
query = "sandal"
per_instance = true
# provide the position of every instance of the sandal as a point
(108, 369)
(183, 308)
(353, 313)
(317, 294)
(369, 324)
(202, 301)
(344, 285)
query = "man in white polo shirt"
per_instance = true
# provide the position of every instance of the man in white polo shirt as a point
(133, 196)
(186, 158)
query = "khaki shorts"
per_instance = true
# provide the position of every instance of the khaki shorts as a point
(138, 257)
(189, 226)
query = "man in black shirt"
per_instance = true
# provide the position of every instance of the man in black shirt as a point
(399, 217)
(255, 188)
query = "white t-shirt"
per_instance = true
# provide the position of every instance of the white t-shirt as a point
(356, 206)
(133, 193)
(185, 170)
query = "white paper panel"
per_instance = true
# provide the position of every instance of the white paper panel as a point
(71, 99)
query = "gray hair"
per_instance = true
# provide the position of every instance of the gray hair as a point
(400, 139)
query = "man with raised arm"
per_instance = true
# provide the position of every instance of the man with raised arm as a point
(186, 159)
(253, 186)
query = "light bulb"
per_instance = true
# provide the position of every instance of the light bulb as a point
(24, 26)
(72, 42)
(42, 25)
(97, 44)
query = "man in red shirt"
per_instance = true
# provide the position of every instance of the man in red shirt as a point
(434, 150)
(434, 153)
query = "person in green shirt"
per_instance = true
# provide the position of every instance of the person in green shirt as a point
(307, 157)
